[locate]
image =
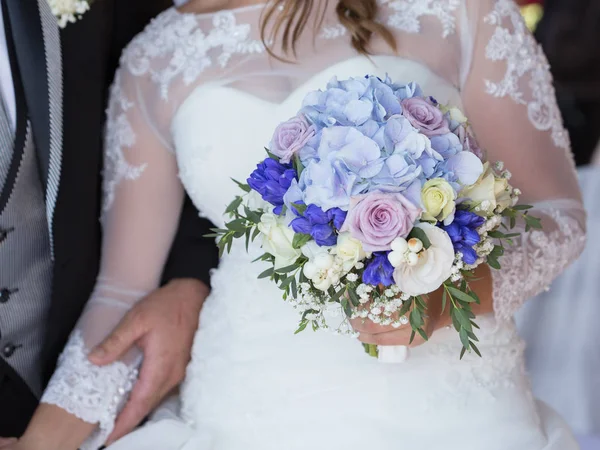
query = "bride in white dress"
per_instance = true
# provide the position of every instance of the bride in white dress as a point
(194, 103)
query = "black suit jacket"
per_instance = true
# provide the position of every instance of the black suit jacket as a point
(90, 53)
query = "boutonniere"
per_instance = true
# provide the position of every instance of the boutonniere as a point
(68, 11)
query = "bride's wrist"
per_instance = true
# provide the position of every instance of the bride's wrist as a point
(53, 428)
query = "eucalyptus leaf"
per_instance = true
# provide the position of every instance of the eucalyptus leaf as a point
(267, 273)
(242, 186)
(234, 205)
(300, 240)
(287, 269)
(457, 293)
(353, 297)
(302, 326)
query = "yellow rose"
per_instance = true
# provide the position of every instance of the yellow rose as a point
(455, 114)
(438, 199)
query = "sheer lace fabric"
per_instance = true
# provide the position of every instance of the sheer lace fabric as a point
(477, 49)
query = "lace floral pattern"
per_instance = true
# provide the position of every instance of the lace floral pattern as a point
(408, 14)
(185, 48)
(532, 264)
(91, 393)
(501, 368)
(523, 57)
(119, 136)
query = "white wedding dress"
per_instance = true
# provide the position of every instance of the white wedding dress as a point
(193, 106)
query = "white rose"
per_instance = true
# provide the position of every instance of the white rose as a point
(433, 267)
(349, 250)
(255, 202)
(277, 240)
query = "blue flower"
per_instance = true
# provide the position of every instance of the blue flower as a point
(320, 224)
(271, 180)
(379, 270)
(355, 101)
(463, 233)
(446, 145)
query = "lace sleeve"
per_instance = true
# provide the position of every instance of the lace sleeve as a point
(143, 200)
(510, 99)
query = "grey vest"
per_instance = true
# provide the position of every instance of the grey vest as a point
(25, 272)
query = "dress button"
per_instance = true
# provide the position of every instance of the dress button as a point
(8, 350)
(5, 294)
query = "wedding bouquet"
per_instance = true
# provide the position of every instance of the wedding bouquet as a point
(371, 198)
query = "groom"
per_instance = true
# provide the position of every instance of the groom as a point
(53, 92)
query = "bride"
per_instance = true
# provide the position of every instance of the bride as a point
(196, 98)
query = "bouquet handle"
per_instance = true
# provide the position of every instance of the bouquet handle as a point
(392, 354)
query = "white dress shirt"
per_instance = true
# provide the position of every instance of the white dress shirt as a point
(6, 80)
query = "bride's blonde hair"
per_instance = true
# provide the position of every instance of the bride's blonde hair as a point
(290, 18)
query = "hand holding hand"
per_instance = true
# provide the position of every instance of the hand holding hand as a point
(163, 326)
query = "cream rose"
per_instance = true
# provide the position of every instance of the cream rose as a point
(438, 199)
(349, 251)
(488, 192)
(277, 240)
(433, 267)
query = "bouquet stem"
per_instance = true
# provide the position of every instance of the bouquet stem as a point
(371, 350)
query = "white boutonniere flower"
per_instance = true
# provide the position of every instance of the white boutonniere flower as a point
(68, 11)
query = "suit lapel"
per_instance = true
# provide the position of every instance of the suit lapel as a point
(37, 41)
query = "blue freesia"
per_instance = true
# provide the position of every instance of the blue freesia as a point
(338, 217)
(271, 180)
(379, 270)
(463, 233)
(320, 224)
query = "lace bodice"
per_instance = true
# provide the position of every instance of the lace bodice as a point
(197, 96)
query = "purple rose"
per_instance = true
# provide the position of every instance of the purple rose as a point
(376, 219)
(424, 116)
(290, 137)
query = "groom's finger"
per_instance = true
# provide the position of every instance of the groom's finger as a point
(150, 388)
(120, 341)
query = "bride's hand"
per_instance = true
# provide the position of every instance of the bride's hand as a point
(372, 333)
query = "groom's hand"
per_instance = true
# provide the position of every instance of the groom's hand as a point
(162, 325)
